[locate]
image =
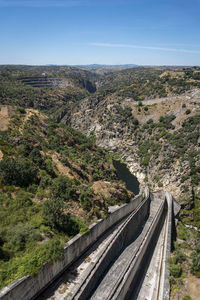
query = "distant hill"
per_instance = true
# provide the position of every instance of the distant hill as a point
(102, 69)
(44, 87)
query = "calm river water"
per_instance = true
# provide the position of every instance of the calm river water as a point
(124, 174)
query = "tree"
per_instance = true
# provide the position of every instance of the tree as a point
(61, 187)
(53, 212)
(36, 157)
(18, 171)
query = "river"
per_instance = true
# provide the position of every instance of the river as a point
(125, 175)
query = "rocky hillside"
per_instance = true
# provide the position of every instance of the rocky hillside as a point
(146, 83)
(51, 88)
(158, 137)
(54, 182)
(150, 116)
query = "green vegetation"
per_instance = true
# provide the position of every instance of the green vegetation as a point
(141, 83)
(195, 266)
(187, 298)
(40, 206)
(48, 169)
(176, 267)
(24, 86)
(188, 111)
(18, 171)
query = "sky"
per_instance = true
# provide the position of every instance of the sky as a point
(73, 32)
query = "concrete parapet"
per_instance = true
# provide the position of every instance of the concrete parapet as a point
(126, 233)
(28, 287)
(164, 294)
(129, 282)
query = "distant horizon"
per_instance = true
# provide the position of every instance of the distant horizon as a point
(94, 64)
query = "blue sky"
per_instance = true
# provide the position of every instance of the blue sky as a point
(145, 32)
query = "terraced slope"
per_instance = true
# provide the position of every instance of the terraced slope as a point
(44, 88)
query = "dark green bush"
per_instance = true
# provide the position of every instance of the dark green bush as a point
(62, 187)
(45, 181)
(188, 111)
(18, 171)
(17, 237)
(36, 157)
(86, 199)
(53, 212)
(48, 165)
(179, 256)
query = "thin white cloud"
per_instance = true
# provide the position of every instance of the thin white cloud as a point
(41, 3)
(144, 47)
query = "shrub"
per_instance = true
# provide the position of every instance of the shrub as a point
(21, 110)
(49, 166)
(150, 121)
(53, 212)
(135, 121)
(195, 266)
(17, 237)
(187, 298)
(182, 232)
(188, 111)
(36, 157)
(179, 256)
(45, 181)
(175, 270)
(86, 200)
(61, 187)
(75, 226)
(18, 171)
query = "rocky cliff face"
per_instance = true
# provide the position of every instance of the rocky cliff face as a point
(158, 138)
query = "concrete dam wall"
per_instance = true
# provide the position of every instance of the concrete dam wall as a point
(28, 287)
